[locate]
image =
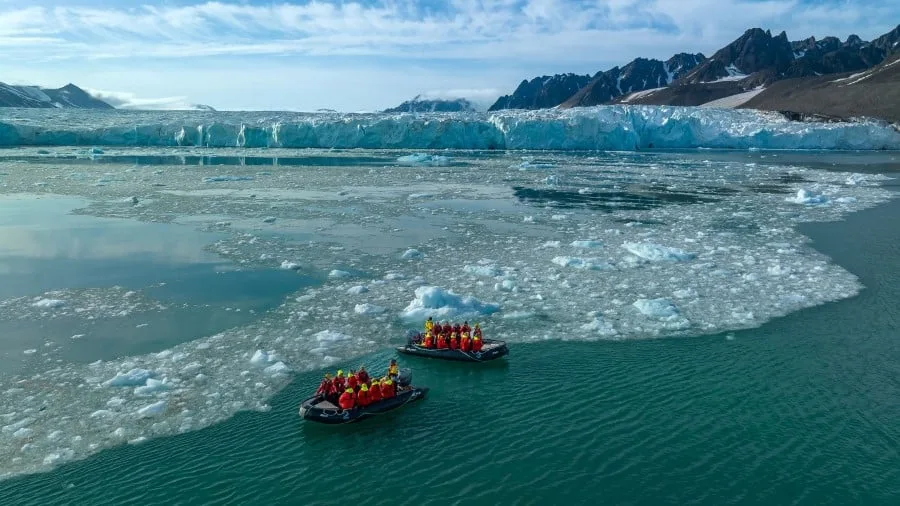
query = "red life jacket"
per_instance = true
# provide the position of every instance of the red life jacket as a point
(466, 328)
(465, 344)
(447, 329)
(339, 384)
(454, 343)
(387, 391)
(346, 401)
(476, 344)
(442, 343)
(352, 382)
(477, 332)
(362, 398)
(456, 328)
(326, 387)
(363, 376)
(429, 342)
(374, 393)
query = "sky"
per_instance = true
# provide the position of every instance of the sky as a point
(368, 55)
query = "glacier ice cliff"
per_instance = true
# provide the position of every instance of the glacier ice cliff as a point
(617, 127)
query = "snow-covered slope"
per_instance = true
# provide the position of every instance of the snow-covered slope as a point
(617, 127)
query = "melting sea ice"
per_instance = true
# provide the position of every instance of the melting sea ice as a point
(534, 246)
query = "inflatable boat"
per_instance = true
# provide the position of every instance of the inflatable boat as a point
(318, 409)
(490, 350)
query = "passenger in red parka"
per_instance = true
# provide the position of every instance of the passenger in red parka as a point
(348, 399)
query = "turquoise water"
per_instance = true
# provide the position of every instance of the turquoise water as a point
(802, 410)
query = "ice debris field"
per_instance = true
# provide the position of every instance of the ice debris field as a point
(617, 127)
(535, 246)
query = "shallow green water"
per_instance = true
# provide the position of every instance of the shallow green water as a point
(803, 410)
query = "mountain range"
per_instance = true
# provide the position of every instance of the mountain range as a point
(744, 69)
(69, 96)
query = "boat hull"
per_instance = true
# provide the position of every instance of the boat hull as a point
(491, 350)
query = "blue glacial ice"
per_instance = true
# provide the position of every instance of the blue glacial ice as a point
(618, 127)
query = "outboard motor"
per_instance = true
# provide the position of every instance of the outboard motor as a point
(405, 378)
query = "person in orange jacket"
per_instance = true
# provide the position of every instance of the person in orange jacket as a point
(352, 381)
(347, 399)
(429, 340)
(393, 370)
(465, 344)
(442, 342)
(362, 397)
(375, 392)
(326, 387)
(362, 375)
(477, 332)
(453, 342)
(340, 382)
(476, 343)
(387, 388)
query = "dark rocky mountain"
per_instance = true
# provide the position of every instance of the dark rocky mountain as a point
(874, 92)
(754, 52)
(69, 96)
(758, 59)
(418, 104)
(639, 75)
(542, 92)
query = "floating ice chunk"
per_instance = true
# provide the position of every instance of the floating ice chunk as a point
(223, 179)
(807, 197)
(601, 327)
(101, 413)
(23, 433)
(411, 254)
(31, 351)
(277, 368)
(413, 196)
(335, 273)
(587, 244)
(357, 290)
(260, 358)
(435, 301)
(368, 309)
(133, 378)
(657, 253)
(518, 315)
(153, 410)
(153, 386)
(685, 293)
(116, 402)
(49, 303)
(269, 219)
(293, 266)
(330, 336)
(551, 244)
(9, 429)
(393, 276)
(58, 457)
(594, 264)
(845, 200)
(423, 159)
(507, 285)
(663, 309)
(483, 270)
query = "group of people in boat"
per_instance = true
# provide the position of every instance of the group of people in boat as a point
(451, 337)
(357, 388)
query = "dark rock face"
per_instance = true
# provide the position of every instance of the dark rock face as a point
(754, 51)
(542, 92)
(69, 96)
(419, 104)
(889, 42)
(639, 75)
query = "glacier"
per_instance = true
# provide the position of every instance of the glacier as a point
(613, 128)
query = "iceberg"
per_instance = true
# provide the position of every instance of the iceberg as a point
(435, 301)
(611, 127)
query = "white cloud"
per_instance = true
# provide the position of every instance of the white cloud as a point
(127, 100)
(540, 29)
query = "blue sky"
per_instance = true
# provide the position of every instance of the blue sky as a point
(373, 54)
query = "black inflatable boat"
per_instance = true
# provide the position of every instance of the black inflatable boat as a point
(490, 350)
(318, 409)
